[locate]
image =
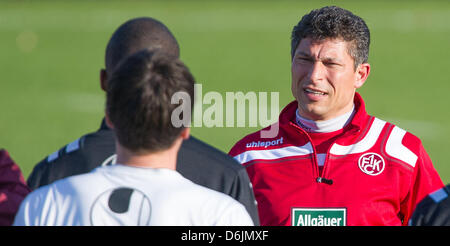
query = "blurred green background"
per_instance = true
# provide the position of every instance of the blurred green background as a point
(52, 51)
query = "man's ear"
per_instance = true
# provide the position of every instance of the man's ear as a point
(108, 121)
(103, 79)
(185, 133)
(362, 73)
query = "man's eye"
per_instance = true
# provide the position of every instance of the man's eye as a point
(332, 64)
(304, 59)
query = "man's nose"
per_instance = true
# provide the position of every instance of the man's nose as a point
(316, 71)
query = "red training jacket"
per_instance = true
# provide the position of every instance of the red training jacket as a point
(374, 173)
(13, 188)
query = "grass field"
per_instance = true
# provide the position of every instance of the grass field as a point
(51, 54)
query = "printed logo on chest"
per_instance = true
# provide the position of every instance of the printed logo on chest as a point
(371, 163)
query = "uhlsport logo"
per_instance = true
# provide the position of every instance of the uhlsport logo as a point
(121, 206)
(319, 216)
(371, 164)
(264, 144)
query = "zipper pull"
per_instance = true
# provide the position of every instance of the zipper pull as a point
(324, 180)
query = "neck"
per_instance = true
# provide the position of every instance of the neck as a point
(162, 159)
(326, 125)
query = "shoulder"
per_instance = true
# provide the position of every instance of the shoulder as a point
(395, 144)
(96, 142)
(9, 170)
(68, 186)
(210, 200)
(36, 204)
(273, 137)
(79, 156)
(286, 143)
(57, 165)
(242, 144)
(198, 153)
(401, 144)
(187, 189)
(53, 204)
(5, 159)
(433, 210)
(256, 140)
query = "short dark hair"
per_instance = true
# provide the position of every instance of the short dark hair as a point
(334, 22)
(138, 34)
(138, 100)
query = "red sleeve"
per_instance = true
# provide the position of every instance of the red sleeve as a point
(235, 150)
(239, 147)
(425, 180)
(13, 188)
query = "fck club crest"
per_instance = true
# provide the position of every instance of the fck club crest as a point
(371, 164)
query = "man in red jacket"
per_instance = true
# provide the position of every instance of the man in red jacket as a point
(332, 163)
(12, 188)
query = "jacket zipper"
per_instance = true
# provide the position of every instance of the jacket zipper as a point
(325, 164)
(318, 176)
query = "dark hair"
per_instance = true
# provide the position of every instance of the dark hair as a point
(334, 22)
(139, 96)
(138, 34)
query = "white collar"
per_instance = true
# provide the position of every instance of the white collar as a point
(327, 125)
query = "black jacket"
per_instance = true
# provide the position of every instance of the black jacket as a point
(433, 210)
(197, 161)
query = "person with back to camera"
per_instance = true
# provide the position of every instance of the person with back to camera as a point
(197, 161)
(143, 188)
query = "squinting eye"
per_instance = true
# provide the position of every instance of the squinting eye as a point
(331, 64)
(303, 59)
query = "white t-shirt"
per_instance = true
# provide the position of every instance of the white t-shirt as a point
(124, 195)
